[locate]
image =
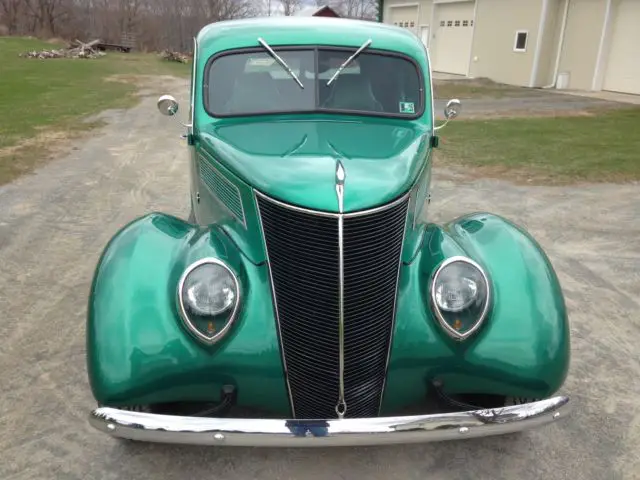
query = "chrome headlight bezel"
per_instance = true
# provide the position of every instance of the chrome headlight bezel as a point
(438, 311)
(231, 314)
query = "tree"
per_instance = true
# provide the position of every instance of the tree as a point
(361, 9)
(46, 15)
(128, 13)
(289, 7)
(156, 24)
(11, 11)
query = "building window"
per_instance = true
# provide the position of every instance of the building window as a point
(442, 23)
(465, 23)
(520, 43)
(449, 23)
(412, 24)
(457, 24)
(471, 23)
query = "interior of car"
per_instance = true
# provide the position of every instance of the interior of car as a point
(255, 83)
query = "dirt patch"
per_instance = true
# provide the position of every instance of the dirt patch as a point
(146, 85)
(515, 176)
(141, 80)
(46, 138)
(26, 156)
(485, 99)
(462, 172)
(34, 152)
(545, 106)
(129, 79)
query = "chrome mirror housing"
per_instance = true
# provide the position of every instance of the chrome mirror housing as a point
(451, 111)
(167, 105)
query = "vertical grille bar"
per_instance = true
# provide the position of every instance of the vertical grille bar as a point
(303, 253)
(372, 249)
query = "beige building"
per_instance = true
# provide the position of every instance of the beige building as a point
(576, 44)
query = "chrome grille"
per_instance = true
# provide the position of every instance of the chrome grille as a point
(303, 254)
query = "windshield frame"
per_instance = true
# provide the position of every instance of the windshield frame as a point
(314, 48)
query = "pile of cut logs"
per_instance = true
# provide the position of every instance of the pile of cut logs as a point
(76, 49)
(174, 56)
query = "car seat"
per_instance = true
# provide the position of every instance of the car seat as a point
(352, 92)
(253, 92)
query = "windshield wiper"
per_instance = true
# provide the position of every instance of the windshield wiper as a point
(348, 61)
(280, 61)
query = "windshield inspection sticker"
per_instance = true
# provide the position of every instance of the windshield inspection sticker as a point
(407, 107)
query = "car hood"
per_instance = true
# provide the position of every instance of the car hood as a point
(295, 160)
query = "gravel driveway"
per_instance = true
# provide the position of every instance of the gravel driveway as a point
(54, 224)
(537, 103)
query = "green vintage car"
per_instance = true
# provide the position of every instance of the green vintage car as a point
(309, 300)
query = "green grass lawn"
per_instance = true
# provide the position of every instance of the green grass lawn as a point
(479, 88)
(48, 98)
(600, 148)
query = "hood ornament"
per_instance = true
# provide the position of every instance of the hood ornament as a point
(340, 178)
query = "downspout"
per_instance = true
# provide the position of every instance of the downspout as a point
(560, 45)
(605, 27)
(536, 55)
(473, 36)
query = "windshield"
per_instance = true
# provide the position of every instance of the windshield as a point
(254, 82)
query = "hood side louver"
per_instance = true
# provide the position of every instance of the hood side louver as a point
(226, 192)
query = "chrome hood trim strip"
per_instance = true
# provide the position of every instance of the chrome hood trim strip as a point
(150, 427)
(322, 213)
(341, 406)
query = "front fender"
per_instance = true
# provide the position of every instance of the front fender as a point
(138, 352)
(523, 347)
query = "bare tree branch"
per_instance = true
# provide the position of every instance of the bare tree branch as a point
(290, 7)
(155, 24)
(361, 9)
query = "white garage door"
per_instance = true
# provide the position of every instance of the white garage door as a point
(453, 35)
(405, 17)
(623, 66)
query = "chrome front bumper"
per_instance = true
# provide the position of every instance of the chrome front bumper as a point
(149, 427)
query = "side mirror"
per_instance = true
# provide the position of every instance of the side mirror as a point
(167, 105)
(451, 111)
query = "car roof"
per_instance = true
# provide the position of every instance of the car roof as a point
(288, 30)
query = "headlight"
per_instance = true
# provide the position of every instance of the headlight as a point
(209, 289)
(460, 296)
(208, 295)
